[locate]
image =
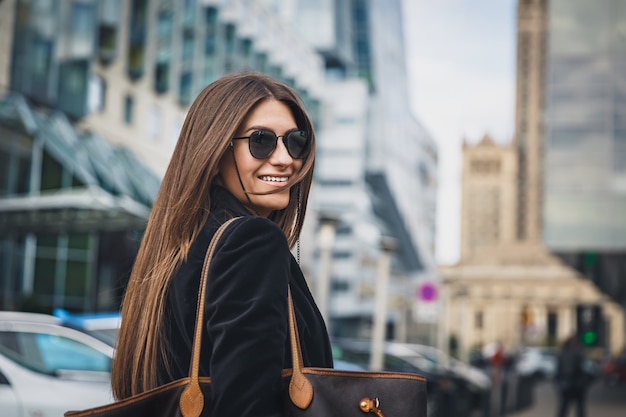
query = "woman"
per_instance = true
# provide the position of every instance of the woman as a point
(246, 150)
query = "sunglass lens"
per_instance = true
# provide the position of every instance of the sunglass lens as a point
(298, 144)
(262, 144)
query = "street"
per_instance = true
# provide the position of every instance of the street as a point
(603, 401)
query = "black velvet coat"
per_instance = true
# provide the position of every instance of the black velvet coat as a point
(245, 344)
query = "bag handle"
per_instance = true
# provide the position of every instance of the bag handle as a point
(192, 400)
(300, 388)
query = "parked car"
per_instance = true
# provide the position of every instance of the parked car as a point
(104, 326)
(47, 369)
(346, 365)
(478, 383)
(538, 362)
(448, 394)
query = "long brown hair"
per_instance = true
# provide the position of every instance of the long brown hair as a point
(181, 209)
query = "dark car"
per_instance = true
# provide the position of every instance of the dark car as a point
(475, 380)
(448, 394)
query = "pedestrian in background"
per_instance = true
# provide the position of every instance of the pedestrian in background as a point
(245, 151)
(572, 380)
(497, 362)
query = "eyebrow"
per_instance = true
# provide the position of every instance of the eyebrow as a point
(261, 127)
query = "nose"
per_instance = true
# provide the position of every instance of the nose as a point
(280, 156)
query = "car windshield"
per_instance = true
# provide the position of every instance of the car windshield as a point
(48, 353)
(108, 336)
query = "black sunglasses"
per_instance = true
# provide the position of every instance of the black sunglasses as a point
(263, 142)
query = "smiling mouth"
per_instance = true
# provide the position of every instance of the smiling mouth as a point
(274, 179)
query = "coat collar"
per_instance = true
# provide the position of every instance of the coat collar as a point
(224, 200)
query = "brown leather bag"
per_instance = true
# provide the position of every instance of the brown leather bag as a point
(314, 392)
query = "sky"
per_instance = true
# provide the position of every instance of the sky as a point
(461, 68)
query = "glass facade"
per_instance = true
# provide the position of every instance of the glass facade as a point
(71, 209)
(585, 141)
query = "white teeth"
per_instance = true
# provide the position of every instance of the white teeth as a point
(274, 179)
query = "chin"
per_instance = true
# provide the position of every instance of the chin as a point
(277, 204)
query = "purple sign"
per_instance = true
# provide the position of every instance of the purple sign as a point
(427, 291)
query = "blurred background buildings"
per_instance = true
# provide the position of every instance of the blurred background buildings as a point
(96, 93)
(543, 240)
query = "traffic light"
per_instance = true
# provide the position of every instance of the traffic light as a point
(589, 324)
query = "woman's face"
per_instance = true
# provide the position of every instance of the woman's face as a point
(261, 175)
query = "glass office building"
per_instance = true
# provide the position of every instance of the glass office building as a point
(72, 208)
(585, 140)
(584, 202)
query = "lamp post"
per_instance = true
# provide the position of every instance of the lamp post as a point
(387, 246)
(326, 240)
(461, 301)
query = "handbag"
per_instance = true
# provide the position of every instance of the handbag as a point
(309, 392)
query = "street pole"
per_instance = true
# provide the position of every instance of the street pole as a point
(443, 339)
(388, 246)
(326, 240)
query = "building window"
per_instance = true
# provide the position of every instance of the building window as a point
(478, 320)
(41, 67)
(339, 285)
(96, 95)
(485, 166)
(185, 88)
(55, 177)
(109, 13)
(154, 123)
(188, 47)
(107, 42)
(73, 87)
(210, 17)
(342, 254)
(246, 47)
(163, 50)
(137, 38)
(51, 173)
(128, 109)
(210, 43)
(15, 162)
(261, 62)
(62, 272)
(161, 77)
(82, 34)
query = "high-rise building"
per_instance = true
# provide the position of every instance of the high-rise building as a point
(584, 144)
(377, 167)
(529, 115)
(570, 135)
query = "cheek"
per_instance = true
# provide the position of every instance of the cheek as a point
(246, 164)
(227, 172)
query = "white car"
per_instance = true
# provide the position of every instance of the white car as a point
(103, 326)
(538, 362)
(47, 369)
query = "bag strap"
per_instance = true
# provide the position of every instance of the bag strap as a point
(192, 399)
(300, 388)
